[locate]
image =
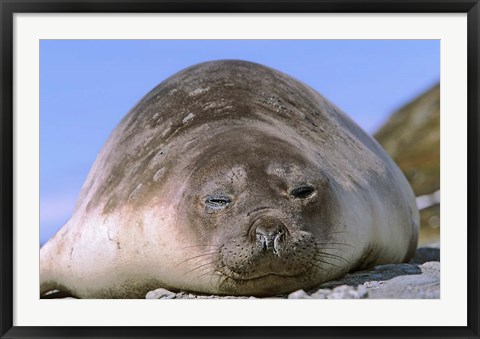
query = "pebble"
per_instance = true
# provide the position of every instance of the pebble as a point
(300, 294)
(348, 292)
(321, 293)
(431, 268)
(160, 293)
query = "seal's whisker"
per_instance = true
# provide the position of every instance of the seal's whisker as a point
(206, 273)
(327, 262)
(225, 278)
(197, 256)
(200, 260)
(211, 273)
(335, 243)
(327, 248)
(333, 256)
(198, 267)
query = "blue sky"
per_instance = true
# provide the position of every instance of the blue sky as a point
(87, 86)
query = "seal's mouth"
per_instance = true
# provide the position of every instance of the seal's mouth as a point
(266, 284)
(265, 276)
(252, 276)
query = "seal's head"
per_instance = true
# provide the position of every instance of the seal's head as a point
(260, 217)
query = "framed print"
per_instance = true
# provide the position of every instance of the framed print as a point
(239, 169)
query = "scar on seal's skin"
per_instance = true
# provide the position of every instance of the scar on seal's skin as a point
(114, 240)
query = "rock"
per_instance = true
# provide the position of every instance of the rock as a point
(418, 279)
(425, 254)
(348, 292)
(160, 293)
(340, 292)
(408, 287)
(300, 294)
(431, 245)
(412, 138)
(431, 268)
(373, 284)
(322, 293)
(380, 272)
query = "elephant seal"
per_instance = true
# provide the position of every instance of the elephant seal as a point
(231, 178)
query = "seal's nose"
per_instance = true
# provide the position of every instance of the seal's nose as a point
(269, 234)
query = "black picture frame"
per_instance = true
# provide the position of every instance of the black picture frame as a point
(10, 7)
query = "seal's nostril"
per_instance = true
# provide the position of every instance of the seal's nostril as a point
(262, 240)
(269, 236)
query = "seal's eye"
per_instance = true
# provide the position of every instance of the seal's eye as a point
(302, 192)
(217, 202)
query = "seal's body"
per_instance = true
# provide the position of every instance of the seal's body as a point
(231, 178)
